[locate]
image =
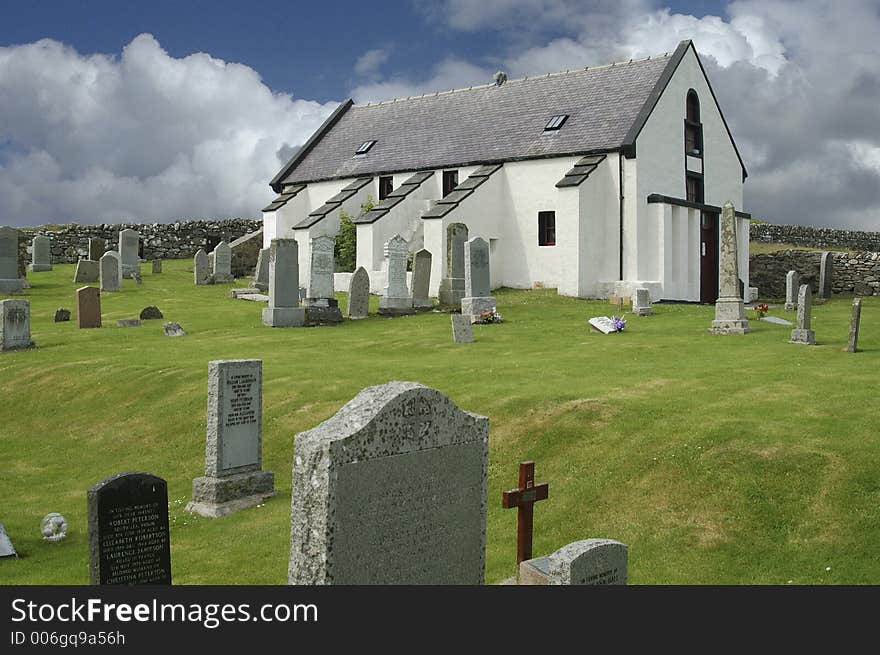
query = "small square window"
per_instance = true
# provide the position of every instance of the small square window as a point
(364, 147)
(386, 186)
(556, 122)
(546, 228)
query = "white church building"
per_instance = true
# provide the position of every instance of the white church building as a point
(593, 181)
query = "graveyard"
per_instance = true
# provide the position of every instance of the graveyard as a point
(717, 459)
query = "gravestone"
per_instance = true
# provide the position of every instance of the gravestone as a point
(284, 309)
(261, 273)
(10, 282)
(128, 322)
(200, 267)
(128, 531)
(321, 307)
(88, 307)
(587, 562)
(157, 266)
(452, 286)
(111, 272)
(234, 478)
(172, 329)
(792, 284)
(41, 254)
(222, 257)
(359, 294)
(476, 298)
(854, 320)
(129, 248)
(96, 248)
(87, 271)
(53, 527)
(150, 312)
(826, 274)
(391, 490)
(462, 330)
(6, 547)
(395, 299)
(802, 333)
(62, 315)
(641, 303)
(421, 280)
(730, 317)
(15, 324)
(602, 324)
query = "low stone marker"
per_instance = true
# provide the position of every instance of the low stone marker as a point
(129, 247)
(6, 547)
(111, 272)
(157, 265)
(234, 478)
(62, 315)
(96, 248)
(476, 298)
(173, 329)
(462, 329)
(396, 299)
(854, 320)
(792, 284)
(284, 309)
(87, 271)
(641, 303)
(128, 322)
(587, 562)
(359, 294)
(15, 324)
(421, 280)
(88, 307)
(41, 254)
(391, 490)
(222, 257)
(602, 324)
(128, 531)
(200, 268)
(10, 281)
(802, 333)
(826, 274)
(150, 312)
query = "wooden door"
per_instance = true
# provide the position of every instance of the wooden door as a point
(708, 257)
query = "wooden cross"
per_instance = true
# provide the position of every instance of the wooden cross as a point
(524, 499)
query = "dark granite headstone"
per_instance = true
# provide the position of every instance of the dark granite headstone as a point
(128, 531)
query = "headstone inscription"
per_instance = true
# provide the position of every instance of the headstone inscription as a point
(802, 333)
(41, 254)
(391, 490)
(15, 324)
(452, 286)
(128, 531)
(111, 272)
(359, 294)
(87, 271)
(792, 284)
(284, 309)
(462, 329)
(421, 280)
(129, 249)
(234, 478)
(200, 268)
(10, 282)
(587, 562)
(396, 300)
(854, 320)
(88, 307)
(476, 298)
(321, 307)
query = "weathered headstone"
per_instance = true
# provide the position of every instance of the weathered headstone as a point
(587, 562)
(792, 284)
(87, 271)
(395, 299)
(233, 478)
(157, 266)
(261, 272)
(150, 312)
(826, 274)
(200, 267)
(641, 303)
(462, 330)
(391, 490)
(802, 333)
(96, 248)
(359, 294)
(15, 324)
(476, 298)
(111, 272)
(854, 320)
(128, 531)
(10, 282)
(6, 547)
(730, 317)
(172, 329)
(421, 280)
(321, 307)
(284, 309)
(452, 286)
(62, 315)
(41, 253)
(128, 322)
(222, 256)
(602, 324)
(129, 248)
(88, 307)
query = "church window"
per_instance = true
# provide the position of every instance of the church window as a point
(546, 228)
(386, 186)
(693, 128)
(364, 147)
(556, 122)
(695, 188)
(450, 181)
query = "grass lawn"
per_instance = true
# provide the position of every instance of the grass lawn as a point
(718, 460)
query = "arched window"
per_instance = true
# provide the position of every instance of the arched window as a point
(693, 107)
(693, 129)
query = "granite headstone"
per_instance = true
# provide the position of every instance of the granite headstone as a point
(421, 280)
(802, 333)
(395, 299)
(452, 286)
(10, 282)
(15, 324)
(359, 294)
(41, 253)
(88, 307)
(111, 272)
(129, 252)
(284, 309)
(730, 317)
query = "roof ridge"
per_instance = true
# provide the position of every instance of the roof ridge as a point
(569, 71)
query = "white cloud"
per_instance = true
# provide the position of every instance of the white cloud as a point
(369, 63)
(145, 136)
(451, 73)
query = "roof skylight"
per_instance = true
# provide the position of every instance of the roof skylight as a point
(556, 122)
(364, 147)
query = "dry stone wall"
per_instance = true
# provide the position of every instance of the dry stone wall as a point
(815, 237)
(854, 272)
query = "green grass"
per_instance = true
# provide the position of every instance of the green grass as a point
(718, 460)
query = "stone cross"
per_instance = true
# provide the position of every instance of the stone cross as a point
(395, 300)
(792, 283)
(200, 267)
(730, 315)
(15, 324)
(284, 309)
(111, 272)
(421, 280)
(359, 294)
(524, 498)
(826, 274)
(452, 286)
(41, 253)
(88, 307)
(10, 282)
(802, 333)
(854, 325)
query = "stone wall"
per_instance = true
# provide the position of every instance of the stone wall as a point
(815, 237)
(853, 272)
(158, 240)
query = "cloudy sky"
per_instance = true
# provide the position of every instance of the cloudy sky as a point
(161, 110)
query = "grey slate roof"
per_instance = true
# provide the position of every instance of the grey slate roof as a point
(581, 171)
(462, 191)
(483, 124)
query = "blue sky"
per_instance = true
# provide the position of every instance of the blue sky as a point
(159, 111)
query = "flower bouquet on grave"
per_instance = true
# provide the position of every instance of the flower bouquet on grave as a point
(761, 309)
(490, 316)
(618, 322)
